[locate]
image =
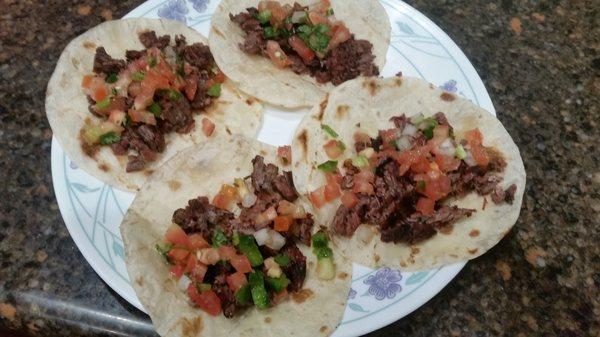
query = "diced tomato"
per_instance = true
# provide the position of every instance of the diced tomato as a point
(301, 48)
(283, 223)
(389, 136)
(280, 296)
(278, 13)
(141, 116)
(236, 280)
(207, 300)
(197, 274)
(197, 241)
(332, 192)
(363, 187)
(135, 88)
(409, 157)
(225, 197)
(365, 175)
(163, 69)
(425, 206)
(333, 149)
(285, 153)
(178, 255)
(447, 163)
(317, 197)
(99, 93)
(480, 155)
(208, 127)
(227, 252)
(339, 34)
(117, 117)
(86, 82)
(277, 55)
(349, 199)
(191, 86)
(219, 77)
(437, 185)
(190, 264)
(474, 137)
(421, 165)
(176, 271)
(176, 236)
(317, 18)
(333, 178)
(241, 264)
(286, 208)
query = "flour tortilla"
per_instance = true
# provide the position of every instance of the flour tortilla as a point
(67, 105)
(257, 76)
(367, 105)
(202, 170)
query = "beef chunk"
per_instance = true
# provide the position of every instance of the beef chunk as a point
(135, 163)
(399, 121)
(132, 55)
(152, 137)
(284, 184)
(346, 220)
(226, 295)
(176, 115)
(418, 227)
(350, 60)
(201, 217)
(263, 175)
(296, 270)
(104, 63)
(499, 195)
(247, 22)
(198, 55)
(254, 43)
(150, 40)
(302, 229)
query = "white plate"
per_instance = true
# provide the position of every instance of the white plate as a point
(93, 211)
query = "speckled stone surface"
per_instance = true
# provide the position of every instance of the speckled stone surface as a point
(540, 62)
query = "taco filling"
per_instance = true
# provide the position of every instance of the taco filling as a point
(307, 39)
(153, 92)
(240, 249)
(399, 181)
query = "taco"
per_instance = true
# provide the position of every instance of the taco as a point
(217, 244)
(127, 95)
(407, 175)
(291, 53)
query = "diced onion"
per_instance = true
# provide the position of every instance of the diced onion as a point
(416, 120)
(249, 200)
(270, 238)
(403, 143)
(261, 236)
(183, 283)
(447, 148)
(369, 152)
(298, 16)
(365, 233)
(409, 130)
(470, 160)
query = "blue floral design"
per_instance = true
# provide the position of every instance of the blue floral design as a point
(199, 5)
(72, 165)
(449, 86)
(174, 10)
(352, 294)
(384, 283)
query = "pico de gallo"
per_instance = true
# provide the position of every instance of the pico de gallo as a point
(240, 249)
(153, 92)
(399, 180)
(306, 39)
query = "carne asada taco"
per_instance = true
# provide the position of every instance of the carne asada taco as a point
(291, 53)
(217, 240)
(407, 175)
(129, 94)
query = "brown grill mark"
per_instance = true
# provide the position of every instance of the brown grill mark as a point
(191, 327)
(89, 45)
(341, 111)
(474, 233)
(148, 173)
(267, 319)
(447, 230)
(472, 251)
(448, 97)
(414, 250)
(322, 108)
(372, 86)
(398, 81)
(218, 32)
(140, 281)
(302, 295)
(303, 138)
(227, 130)
(342, 276)
(250, 101)
(104, 167)
(485, 202)
(174, 185)
(376, 258)
(323, 329)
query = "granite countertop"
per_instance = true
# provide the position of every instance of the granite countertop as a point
(540, 63)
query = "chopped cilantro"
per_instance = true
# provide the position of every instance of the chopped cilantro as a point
(214, 91)
(328, 166)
